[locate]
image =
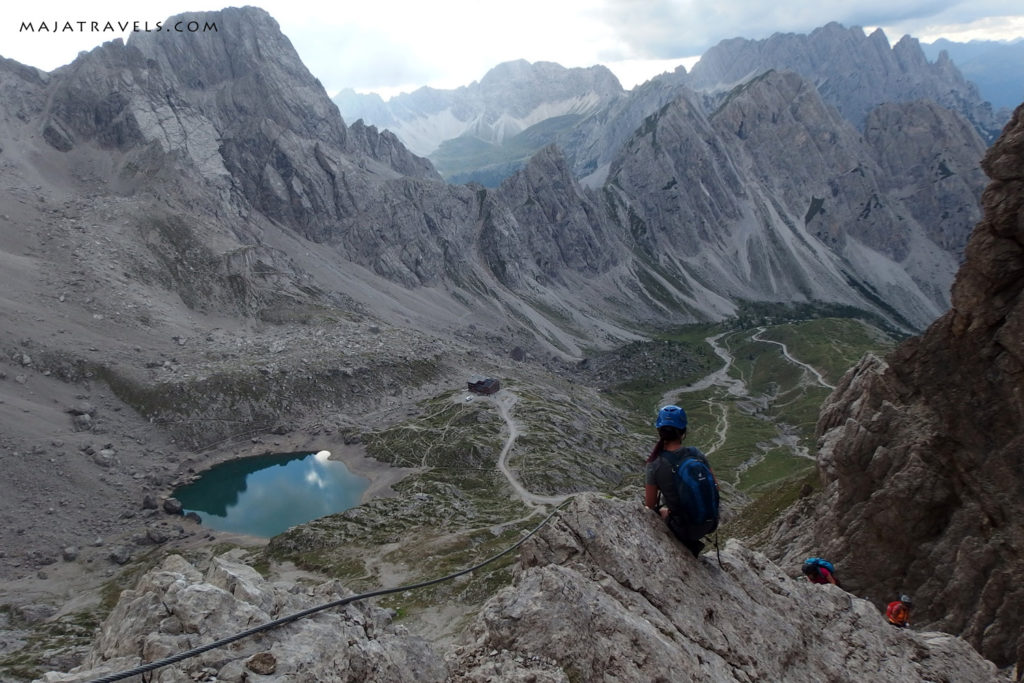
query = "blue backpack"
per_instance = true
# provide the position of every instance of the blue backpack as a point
(813, 562)
(698, 493)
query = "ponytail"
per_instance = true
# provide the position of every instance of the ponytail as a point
(666, 434)
(656, 451)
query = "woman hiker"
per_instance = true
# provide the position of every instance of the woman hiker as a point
(679, 484)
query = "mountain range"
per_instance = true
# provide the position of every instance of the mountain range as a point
(852, 72)
(770, 196)
(200, 256)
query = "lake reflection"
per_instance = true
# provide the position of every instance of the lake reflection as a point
(264, 495)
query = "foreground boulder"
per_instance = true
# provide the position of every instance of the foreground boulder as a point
(605, 593)
(175, 608)
(601, 593)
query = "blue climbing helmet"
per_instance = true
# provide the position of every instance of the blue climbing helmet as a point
(672, 416)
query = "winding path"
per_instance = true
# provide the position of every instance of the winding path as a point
(737, 387)
(719, 378)
(504, 400)
(791, 359)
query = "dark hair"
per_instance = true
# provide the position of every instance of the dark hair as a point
(666, 433)
(670, 433)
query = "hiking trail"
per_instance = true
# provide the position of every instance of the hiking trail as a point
(791, 359)
(504, 400)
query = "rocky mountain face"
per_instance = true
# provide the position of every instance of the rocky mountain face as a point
(739, 204)
(773, 189)
(996, 67)
(921, 451)
(601, 592)
(852, 71)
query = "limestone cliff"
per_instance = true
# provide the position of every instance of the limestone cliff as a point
(921, 453)
(852, 71)
(602, 593)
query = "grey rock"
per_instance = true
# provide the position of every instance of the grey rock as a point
(120, 554)
(156, 535)
(82, 408)
(172, 506)
(597, 610)
(82, 423)
(35, 613)
(214, 606)
(937, 423)
(70, 553)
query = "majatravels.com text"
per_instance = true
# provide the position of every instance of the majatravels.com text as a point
(116, 27)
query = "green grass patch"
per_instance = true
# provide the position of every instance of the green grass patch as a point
(778, 465)
(830, 345)
(772, 501)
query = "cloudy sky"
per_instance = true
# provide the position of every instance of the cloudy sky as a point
(389, 46)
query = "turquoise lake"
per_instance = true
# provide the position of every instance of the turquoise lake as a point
(265, 495)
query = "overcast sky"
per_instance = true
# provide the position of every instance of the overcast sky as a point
(388, 46)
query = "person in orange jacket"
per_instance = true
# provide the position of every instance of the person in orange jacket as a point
(898, 611)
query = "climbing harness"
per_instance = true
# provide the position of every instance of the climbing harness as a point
(313, 610)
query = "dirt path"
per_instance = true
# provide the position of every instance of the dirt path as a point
(738, 388)
(504, 401)
(717, 378)
(791, 359)
(720, 377)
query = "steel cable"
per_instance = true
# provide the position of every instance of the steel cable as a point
(173, 659)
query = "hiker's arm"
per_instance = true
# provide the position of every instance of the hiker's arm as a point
(651, 496)
(651, 501)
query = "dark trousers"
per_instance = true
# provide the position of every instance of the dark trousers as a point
(694, 545)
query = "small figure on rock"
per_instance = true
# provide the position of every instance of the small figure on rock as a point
(818, 570)
(679, 483)
(898, 611)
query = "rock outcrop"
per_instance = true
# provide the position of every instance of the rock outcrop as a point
(601, 593)
(175, 608)
(921, 453)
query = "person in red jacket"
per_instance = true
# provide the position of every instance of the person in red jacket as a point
(898, 611)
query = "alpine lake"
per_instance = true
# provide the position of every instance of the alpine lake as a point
(267, 494)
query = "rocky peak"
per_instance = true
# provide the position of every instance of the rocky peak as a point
(526, 85)
(560, 224)
(510, 98)
(932, 154)
(602, 592)
(852, 71)
(921, 452)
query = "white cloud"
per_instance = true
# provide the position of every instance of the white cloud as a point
(385, 45)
